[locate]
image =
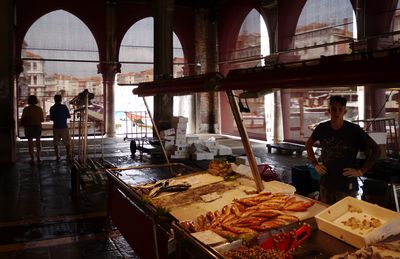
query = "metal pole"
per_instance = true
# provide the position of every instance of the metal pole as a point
(80, 140)
(73, 133)
(245, 140)
(85, 129)
(156, 130)
(94, 139)
(102, 143)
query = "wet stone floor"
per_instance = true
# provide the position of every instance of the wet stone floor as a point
(40, 216)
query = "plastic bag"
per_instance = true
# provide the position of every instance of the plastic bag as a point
(267, 173)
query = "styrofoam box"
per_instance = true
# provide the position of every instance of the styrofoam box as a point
(245, 161)
(182, 147)
(330, 221)
(192, 139)
(202, 156)
(181, 132)
(167, 132)
(180, 141)
(379, 137)
(224, 150)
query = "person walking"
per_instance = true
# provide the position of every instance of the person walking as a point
(31, 119)
(59, 114)
(340, 141)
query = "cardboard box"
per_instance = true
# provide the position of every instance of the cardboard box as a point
(331, 221)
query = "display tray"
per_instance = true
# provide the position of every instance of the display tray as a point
(357, 222)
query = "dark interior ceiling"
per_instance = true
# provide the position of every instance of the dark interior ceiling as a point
(198, 3)
(184, 3)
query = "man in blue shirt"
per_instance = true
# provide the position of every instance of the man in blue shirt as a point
(59, 114)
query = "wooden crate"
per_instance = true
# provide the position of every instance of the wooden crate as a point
(331, 221)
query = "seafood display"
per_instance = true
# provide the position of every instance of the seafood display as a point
(247, 216)
(280, 245)
(258, 252)
(378, 250)
(356, 223)
(154, 189)
(219, 168)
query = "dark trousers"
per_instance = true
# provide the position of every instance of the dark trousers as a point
(331, 196)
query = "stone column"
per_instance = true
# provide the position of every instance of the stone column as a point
(207, 57)
(108, 71)
(270, 9)
(163, 63)
(285, 101)
(109, 68)
(375, 100)
(7, 96)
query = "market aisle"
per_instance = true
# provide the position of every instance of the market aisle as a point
(39, 218)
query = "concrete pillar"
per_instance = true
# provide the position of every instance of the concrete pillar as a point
(163, 60)
(7, 96)
(108, 71)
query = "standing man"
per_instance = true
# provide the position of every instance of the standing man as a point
(59, 114)
(31, 119)
(340, 142)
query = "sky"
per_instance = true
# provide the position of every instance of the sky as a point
(330, 11)
(61, 35)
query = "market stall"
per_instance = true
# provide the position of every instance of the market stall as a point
(201, 215)
(171, 209)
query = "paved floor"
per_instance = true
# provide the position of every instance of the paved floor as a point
(40, 218)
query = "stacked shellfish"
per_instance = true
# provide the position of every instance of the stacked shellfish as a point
(262, 212)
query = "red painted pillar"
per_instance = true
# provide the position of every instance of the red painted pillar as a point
(7, 97)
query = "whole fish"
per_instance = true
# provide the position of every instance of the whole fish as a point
(171, 188)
